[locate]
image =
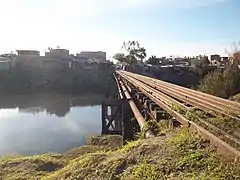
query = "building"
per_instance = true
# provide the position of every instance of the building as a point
(5, 65)
(215, 57)
(57, 53)
(100, 55)
(163, 61)
(224, 60)
(9, 55)
(53, 64)
(28, 53)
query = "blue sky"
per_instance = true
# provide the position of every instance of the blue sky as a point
(163, 27)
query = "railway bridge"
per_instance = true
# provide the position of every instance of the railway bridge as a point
(145, 98)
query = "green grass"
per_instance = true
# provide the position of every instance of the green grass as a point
(30, 167)
(199, 160)
(236, 97)
(146, 171)
(130, 146)
(179, 155)
(223, 123)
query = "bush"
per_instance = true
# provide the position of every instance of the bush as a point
(222, 83)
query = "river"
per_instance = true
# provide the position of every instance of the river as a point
(37, 124)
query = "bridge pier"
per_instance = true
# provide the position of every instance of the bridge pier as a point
(116, 118)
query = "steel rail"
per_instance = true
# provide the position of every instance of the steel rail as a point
(118, 87)
(156, 95)
(166, 99)
(223, 147)
(190, 99)
(230, 103)
(227, 103)
(205, 105)
(220, 101)
(137, 114)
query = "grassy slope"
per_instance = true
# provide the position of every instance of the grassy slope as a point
(236, 97)
(178, 155)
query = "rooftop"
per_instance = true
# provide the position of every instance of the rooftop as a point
(92, 52)
(27, 51)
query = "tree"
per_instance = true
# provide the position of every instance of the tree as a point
(232, 79)
(120, 57)
(203, 60)
(223, 84)
(50, 49)
(213, 83)
(134, 51)
(201, 65)
(234, 54)
(152, 60)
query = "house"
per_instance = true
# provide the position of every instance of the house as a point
(100, 55)
(215, 57)
(5, 65)
(164, 60)
(28, 53)
(224, 60)
(9, 55)
(215, 63)
(78, 59)
(54, 64)
(57, 53)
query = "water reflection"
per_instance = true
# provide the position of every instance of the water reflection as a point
(47, 123)
(56, 104)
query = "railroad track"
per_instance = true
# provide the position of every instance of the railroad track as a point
(216, 118)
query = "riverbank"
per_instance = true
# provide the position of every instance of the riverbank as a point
(77, 81)
(179, 154)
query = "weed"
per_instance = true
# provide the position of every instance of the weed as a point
(179, 109)
(200, 162)
(146, 171)
(165, 126)
(183, 155)
(129, 146)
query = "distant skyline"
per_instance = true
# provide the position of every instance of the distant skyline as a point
(163, 27)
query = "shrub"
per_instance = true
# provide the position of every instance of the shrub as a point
(222, 83)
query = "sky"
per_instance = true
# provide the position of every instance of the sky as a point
(163, 27)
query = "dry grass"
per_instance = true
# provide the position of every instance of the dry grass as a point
(179, 154)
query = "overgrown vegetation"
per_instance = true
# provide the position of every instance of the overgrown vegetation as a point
(180, 154)
(23, 81)
(222, 83)
(201, 65)
(219, 125)
(236, 97)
